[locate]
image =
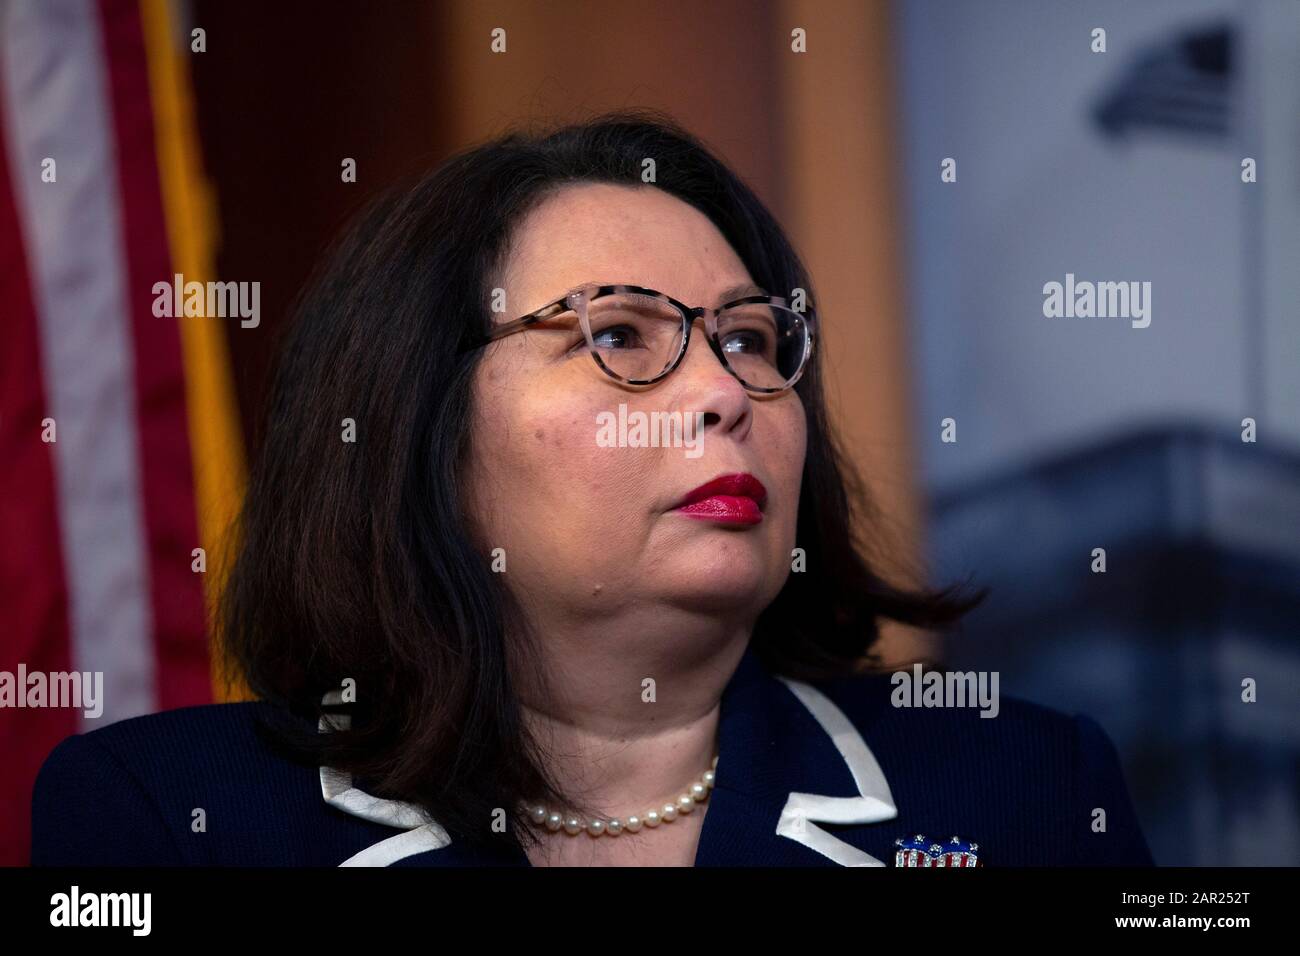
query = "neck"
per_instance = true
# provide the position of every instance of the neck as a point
(632, 715)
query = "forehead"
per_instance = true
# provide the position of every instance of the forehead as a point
(598, 232)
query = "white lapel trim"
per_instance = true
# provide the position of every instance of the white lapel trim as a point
(387, 852)
(336, 787)
(873, 804)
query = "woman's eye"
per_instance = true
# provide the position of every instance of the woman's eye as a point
(617, 337)
(752, 342)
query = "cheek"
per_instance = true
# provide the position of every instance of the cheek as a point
(587, 478)
(788, 451)
(546, 483)
(789, 444)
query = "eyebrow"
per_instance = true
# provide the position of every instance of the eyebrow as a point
(728, 294)
(740, 291)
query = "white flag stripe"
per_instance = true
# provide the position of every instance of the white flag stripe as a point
(57, 105)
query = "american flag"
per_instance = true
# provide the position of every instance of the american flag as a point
(119, 451)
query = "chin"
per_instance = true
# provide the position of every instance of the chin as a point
(721, 580)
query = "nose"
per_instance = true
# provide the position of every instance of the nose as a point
(704, 384)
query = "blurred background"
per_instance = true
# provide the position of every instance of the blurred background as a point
(936, 164)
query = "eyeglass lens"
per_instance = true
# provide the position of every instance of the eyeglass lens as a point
(638, 336)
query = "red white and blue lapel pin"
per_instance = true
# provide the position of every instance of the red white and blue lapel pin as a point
(921, 851)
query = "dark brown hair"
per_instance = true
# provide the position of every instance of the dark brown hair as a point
(356, 559)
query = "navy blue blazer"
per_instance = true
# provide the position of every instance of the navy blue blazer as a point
(818, 774)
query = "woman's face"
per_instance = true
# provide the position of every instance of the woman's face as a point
(592, 532)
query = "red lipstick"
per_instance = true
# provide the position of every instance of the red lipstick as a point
(730, 499)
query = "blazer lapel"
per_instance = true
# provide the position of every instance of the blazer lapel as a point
(789, 759)
(873, 802)
(419, 833)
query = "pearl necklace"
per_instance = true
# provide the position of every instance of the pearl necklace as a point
(697, 792)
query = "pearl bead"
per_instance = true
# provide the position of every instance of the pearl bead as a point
(572, 825)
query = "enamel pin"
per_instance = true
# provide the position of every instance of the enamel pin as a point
(919, 851)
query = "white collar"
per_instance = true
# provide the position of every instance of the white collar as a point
(873, 804)
(336, 787)
(798, 820)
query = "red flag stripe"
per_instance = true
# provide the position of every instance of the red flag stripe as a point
(176, 591)
(33, 593)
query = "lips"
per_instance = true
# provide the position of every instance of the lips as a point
(731, 499)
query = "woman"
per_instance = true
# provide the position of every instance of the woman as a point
(492, 616)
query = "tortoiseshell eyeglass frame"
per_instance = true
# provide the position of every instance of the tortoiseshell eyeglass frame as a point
(577, 300)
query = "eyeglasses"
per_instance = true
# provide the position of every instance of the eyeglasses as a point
(639, 336)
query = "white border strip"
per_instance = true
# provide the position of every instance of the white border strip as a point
(54, 77)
